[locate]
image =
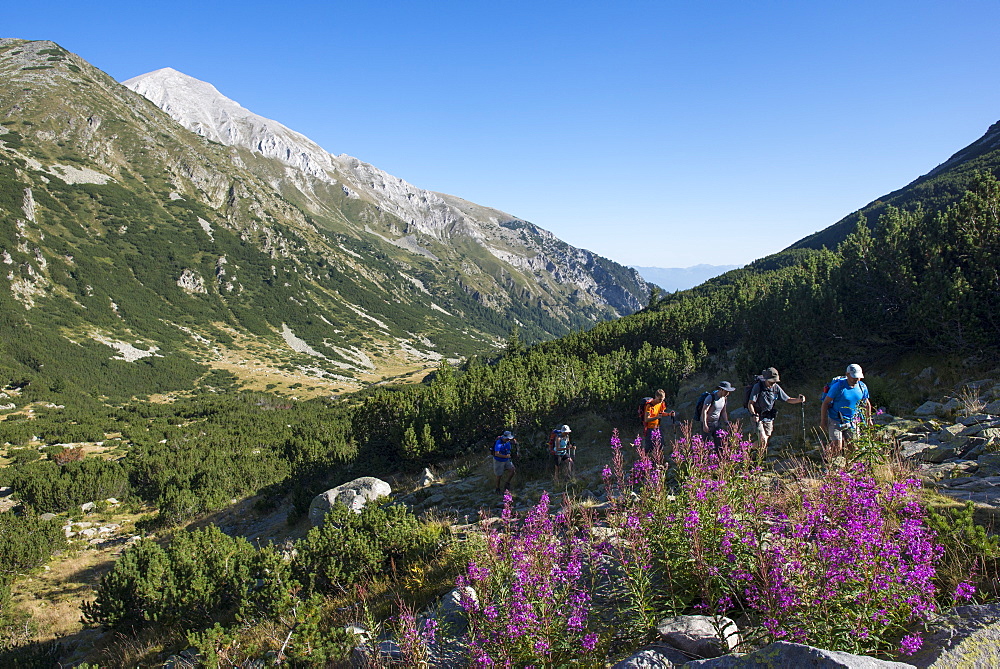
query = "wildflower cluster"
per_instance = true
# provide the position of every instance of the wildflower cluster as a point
(843, 560)
(527, 595)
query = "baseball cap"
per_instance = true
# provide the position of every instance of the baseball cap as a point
(854, 371)
(770, 373)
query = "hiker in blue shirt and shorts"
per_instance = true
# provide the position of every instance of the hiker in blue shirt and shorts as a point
(503, 464)
(845, 406)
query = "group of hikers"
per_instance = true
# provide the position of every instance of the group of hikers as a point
(845, 405)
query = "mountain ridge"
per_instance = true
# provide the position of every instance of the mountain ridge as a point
(239, 247)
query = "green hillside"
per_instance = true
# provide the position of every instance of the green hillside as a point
(141, 257)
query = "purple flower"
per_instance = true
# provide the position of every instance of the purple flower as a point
(910, 644)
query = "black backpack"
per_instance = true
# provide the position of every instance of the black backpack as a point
(748, 391)
(704, 397)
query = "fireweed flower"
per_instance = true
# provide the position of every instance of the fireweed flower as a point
(910, 644)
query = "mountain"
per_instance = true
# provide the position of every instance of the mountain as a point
(145, 247)
(681, 278)
(935, 190)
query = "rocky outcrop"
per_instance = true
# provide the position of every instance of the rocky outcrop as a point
(354, 495)
(966, 636)
(700, 636)
(785, 655)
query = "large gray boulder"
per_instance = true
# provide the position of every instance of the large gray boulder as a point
(354, 495)
(966, 636)
(699, 636)
(654, 657)
(785, 655)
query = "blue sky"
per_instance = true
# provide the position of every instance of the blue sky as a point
(654, 133)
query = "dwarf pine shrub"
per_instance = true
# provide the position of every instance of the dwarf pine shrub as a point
(196, 578)
(351, 546)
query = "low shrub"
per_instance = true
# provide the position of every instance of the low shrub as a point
(351, 546)
(199, 577)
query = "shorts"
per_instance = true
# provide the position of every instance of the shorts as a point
(765, 428)
(501, 466)
(559, 459)
(839, 432)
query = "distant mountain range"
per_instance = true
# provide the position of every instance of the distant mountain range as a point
(681, 278)
(175, 230)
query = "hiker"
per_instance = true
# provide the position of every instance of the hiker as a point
(845, 405)
(760, 403)
(714, 416)
(654, 410)
(562, 450)
(502, 460)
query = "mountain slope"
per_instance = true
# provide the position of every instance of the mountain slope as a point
(138, 251)
(935, 190)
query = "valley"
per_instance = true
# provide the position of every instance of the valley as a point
(209, 323)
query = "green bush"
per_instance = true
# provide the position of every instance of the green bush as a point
(46, 486)
(197, 578)
(350, 547)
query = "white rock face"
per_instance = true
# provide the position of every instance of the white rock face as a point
(201, 108)
(354, 495)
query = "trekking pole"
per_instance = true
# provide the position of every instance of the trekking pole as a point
(805, 443)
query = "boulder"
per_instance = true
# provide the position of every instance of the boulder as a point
(993, 408)
(354, 495)
(699, 635)
(989, 464)
(426, 478)
(654, 657)
(966, 636)
(928, 409)
(928, 452)
(785, 655)
(450, 614)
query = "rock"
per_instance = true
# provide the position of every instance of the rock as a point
(88, 507)
(993, 408)
(699, 635)
(928, 409)
(112, 501)
(927, 374)
(927, 452)
(989, 464)
(654, 657)
(426, 478)
(434, 500)
(47, 516)
(385, 653)
(966, 636)
(354, 495)
(450, 614)
(949, 432)
(785, 655)
(951, 405)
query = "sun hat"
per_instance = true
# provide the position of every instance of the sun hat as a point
(854, 371)
(507, 435)
(726, 385)
(565, 428)
(770, 374)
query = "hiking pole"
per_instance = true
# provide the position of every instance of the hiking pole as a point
(805, 444)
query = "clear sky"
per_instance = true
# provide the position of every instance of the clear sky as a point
(654, 133)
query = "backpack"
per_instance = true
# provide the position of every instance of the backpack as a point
(704, 397)
(826, 388)
(642, 407)
(748, 391)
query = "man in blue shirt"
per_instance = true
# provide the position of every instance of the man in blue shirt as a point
(503, 465)
(845, 406)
